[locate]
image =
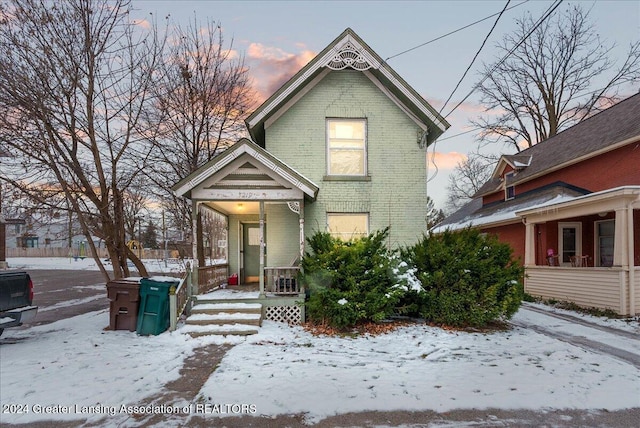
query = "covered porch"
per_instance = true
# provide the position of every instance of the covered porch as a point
(586, 250)
(263, 201)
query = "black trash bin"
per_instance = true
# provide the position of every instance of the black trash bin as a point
(124, 298)
(153, 313)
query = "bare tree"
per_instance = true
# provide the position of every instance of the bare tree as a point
(201, 101)
(467, 178)
(75, 78)
(434, 215)
(558, 76)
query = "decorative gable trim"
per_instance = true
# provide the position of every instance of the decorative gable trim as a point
(347, 51)
(350, 56)
(246, 166)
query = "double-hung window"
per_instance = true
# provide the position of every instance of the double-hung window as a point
(347, 147)
(509, 189)
(347, 226)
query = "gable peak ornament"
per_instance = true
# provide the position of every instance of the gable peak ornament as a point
(348, 56)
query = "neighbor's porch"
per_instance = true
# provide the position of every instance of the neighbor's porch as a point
(586, 250)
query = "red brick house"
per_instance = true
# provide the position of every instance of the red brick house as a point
(570, 208)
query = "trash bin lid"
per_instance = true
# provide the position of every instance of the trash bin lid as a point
(164, 282)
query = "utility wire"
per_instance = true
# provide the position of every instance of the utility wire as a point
(475, 56)
(548, 13)
(433, 151)
(454, 31)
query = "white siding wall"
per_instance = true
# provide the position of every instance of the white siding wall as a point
(596, 288)
(637, 290)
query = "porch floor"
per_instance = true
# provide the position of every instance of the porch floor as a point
(232, 292)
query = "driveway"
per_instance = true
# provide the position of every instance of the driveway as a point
(61, 294)
(594, 337)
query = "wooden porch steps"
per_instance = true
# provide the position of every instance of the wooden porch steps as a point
(224, 319)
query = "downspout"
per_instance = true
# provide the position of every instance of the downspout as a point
(632, 275)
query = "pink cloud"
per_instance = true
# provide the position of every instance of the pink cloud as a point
(271, 67)
(446, 161)
(142, 23)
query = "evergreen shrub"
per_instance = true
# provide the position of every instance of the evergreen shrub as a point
(469, 279)
(349, 282)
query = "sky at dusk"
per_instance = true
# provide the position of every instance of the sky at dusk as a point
(278, 38)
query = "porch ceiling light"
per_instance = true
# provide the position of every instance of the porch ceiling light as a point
(240, 207)
(604, 214)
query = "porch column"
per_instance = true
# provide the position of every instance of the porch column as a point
(261, 273)
(620, 245)
(529, 244)
(301, 220)
(193, 283)
(631, 256)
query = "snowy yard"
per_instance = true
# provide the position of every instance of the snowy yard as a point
(74, 366)
(74, 369)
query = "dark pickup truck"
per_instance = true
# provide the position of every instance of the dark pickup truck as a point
(16, 296)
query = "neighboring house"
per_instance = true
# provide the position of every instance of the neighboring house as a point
(340, 147)
(570, 208)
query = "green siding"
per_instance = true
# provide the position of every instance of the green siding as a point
(396, 193)
(282, 235)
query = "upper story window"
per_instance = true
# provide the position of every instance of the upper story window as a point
(347, 147)
(509, 190)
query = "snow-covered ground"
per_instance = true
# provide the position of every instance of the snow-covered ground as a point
(60, 263)
(75, 366)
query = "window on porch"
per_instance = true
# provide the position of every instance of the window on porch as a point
(605, 231)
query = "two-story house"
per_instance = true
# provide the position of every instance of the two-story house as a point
(570, 208)
(340, 147)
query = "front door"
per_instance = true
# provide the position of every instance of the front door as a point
(569, 241)
(251, 251)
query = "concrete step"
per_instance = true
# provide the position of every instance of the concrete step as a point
(221, 318)
(220, 330)
(224, 319)
(216, 308)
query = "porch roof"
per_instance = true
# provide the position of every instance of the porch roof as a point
(593, 203)
(245, 171)
(475, 215)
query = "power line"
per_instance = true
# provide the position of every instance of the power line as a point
(548, 13)
(475, 56)
(454, 31)
(433, 151)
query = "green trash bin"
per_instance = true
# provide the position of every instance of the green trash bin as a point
(153, 312)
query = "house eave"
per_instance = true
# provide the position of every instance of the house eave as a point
(185, 187)
(374, 64)
(606, 200)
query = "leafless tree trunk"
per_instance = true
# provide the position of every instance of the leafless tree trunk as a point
(560, 75)
(75, 78)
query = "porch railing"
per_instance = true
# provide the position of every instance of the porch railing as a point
(282, 280)
(210, 277)
(178, 299)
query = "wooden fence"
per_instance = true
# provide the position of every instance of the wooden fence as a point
(66, 252)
